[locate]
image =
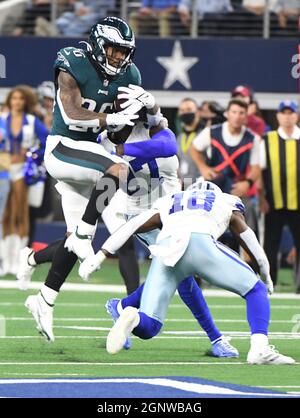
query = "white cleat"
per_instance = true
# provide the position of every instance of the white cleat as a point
(25, 271)
(43, 315)
(121, 330)
(81, 245)
(268, 355)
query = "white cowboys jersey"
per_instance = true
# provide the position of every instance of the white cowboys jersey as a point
(155, 178)
(202, 211)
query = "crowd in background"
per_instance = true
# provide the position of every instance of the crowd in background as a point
(228, 146)
(158, 17)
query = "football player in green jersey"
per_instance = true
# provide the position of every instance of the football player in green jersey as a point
(87, 83)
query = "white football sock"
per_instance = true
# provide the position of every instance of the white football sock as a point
(259, 340)
(49, 294)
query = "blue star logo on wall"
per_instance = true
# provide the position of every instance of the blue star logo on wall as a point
(177, 67)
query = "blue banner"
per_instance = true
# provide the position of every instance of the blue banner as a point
(173, 65)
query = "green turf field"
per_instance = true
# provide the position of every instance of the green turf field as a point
(81, 325)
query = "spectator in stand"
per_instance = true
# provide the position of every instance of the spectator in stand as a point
(255, 123)
(280, 194)
(213, 10)
(258, 6)
(35, 10)
(286, 10)
(154, 12)
(78, 21)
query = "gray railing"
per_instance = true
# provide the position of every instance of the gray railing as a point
(240, 23)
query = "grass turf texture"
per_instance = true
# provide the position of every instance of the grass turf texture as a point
(79, 349)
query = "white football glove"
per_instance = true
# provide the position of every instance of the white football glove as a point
(264, 270)
(269, 284)
(133, 92)
(91, 264)
(116, 121)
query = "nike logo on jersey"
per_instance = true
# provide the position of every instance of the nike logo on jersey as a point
(103, 92)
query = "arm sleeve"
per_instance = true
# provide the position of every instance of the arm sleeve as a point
(163, 144)
(41, 132)
(249, 238)
(202, 140)
(118, 239)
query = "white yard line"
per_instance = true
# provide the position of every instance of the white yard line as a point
(196, 335)
(175, 306)
(279, 387)
(101, 319)
(88, 287)
(160, 363)
(153, 363)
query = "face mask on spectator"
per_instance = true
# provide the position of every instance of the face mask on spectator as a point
(187, 118)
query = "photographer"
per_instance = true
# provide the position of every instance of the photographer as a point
(211, 113)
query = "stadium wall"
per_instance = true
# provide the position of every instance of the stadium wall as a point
(172, 69)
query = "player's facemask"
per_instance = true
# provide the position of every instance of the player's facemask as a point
(110, 38)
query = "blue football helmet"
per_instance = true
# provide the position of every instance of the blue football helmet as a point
(203, 185)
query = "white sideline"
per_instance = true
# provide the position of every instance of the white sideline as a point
(103, 288)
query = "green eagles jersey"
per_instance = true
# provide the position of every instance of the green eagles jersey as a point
(98, 93)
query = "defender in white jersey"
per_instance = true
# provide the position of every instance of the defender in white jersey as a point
(191, 222)
(157, 177)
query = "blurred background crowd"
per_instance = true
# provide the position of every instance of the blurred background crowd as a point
(27, 193)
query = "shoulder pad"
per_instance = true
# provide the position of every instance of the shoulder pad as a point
(134, 75)
(235, 202)
(70, 59)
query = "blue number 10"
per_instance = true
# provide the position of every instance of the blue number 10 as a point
(196, 201)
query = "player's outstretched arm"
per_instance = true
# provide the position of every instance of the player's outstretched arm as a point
(69, 101)
(249, 242)
(163, 144)
(146, 221)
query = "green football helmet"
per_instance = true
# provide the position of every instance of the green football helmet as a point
(114, 32)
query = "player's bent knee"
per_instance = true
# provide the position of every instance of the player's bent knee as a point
(259, 289)
(147, 328)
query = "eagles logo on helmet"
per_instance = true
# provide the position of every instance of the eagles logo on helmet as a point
(114, 32)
